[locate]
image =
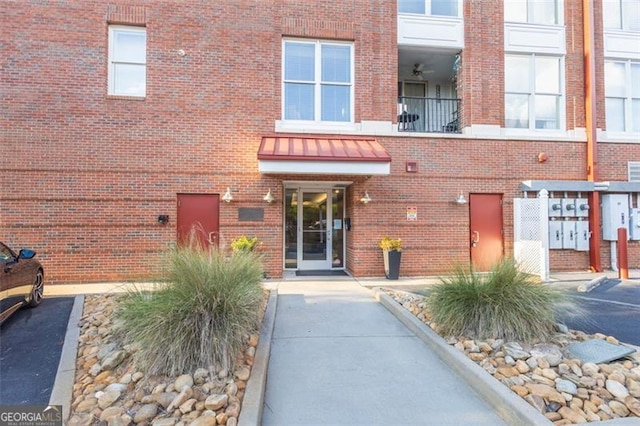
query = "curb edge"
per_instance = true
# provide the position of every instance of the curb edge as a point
(253, 401)
(587, 287)
(507, 405)
(62, 391)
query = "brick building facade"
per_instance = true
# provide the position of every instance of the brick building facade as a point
(99, 142)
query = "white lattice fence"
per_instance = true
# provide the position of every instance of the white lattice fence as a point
(531, 238)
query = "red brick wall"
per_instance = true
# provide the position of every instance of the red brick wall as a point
(84, 175)
(481, 75)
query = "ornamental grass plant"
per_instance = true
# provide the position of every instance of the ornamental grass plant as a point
(199, 317)
(505, 303)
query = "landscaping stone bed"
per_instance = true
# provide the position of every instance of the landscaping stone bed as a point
(564, 389)
(109, 389)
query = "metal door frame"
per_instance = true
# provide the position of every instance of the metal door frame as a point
(301, 188)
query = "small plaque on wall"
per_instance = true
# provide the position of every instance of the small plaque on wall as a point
(249, 214)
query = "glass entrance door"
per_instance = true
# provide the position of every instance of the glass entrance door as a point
(314, 237)
(316, 230)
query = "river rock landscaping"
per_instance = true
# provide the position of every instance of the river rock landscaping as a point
(109, 390)
(564, 389)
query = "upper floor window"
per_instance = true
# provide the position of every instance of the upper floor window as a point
(622, 95)
(621, 14)
(429, 7)
(533, 91)
(543, 12)
(127, 61)
(318, 81)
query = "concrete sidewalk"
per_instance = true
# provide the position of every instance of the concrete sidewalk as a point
(339, 357)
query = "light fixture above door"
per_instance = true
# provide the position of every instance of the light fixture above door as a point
(365, 198)
(227, 197)
(268, 198)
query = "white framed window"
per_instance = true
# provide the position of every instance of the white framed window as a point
(622, 95)
(430, 7)
(621, 15)
(534, 92)
(634, 171)
(317, 81)
(127, 61)
(542, 12)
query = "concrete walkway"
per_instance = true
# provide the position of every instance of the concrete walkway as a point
(338, 357)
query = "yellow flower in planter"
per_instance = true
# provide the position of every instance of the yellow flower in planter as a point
(390, 244)
(244, 243)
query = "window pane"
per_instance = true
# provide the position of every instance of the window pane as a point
(444, 7)
(614, 79)
(411, 6)
(635, 80)
(517, 111)
(298, 101)
(611, 12)
(546, 112)
(299, 61)
(631, 15)
(614, 108)
(336, 64)
(129, 79)
(547, 75)
(515, 11)
(517, 74)
(635, 115)
(544, 12)
(129, 46)
(336, 103)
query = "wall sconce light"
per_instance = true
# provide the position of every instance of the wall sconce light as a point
(460, 199)
(584, 207)
(227, 196)
(163, 219)
(268, 198)
(365, 198)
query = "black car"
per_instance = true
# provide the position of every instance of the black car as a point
(21, 280)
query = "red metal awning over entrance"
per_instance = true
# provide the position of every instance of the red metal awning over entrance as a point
(310, 154)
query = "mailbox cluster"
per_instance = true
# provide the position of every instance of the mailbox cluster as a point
(568, 223)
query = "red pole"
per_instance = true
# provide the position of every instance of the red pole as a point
(623, 261)
(590, 102)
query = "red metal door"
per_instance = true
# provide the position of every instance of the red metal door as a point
(198, 215)
(485, 224)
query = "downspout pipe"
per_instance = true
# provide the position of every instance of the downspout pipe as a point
(590, 102)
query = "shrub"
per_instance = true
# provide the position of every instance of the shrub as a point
(505, 303)
(387, 243)
(244, 243)
(199, 317)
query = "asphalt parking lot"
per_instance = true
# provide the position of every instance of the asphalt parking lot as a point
(612, 308)
(30, 345)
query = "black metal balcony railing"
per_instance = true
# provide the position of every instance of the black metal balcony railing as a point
(430, 115)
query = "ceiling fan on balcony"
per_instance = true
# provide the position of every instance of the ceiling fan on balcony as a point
(419, 71)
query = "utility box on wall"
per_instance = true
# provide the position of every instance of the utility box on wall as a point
(555, 234)
(555, 207)
(568, 207)
(569, 234)
(582, 235)
(582, 207)
(615, 214)
(634, 224)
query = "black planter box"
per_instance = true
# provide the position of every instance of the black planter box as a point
(392, 264)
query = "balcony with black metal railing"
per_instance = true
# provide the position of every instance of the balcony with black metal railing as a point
(428, 115)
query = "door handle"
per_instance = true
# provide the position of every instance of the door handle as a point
(475, 238)
(213, 237)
